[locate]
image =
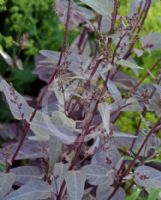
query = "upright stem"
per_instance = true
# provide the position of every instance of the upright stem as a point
(128, 53)
(112, 28)
(27, 127)
(156, 127)
(146, 75)
(78, 149)
(143, 17)
(114, 15)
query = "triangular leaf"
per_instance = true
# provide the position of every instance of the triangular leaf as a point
(30, 150)
(115, 93)
(102, 7)
(59, 173)
(61, 119)
(97, 174)
(55, 146)
(104, 110)
(129, 64)
(42, 125)
(152, 41)
(27, 173)
(75, 181)
(34, 190)
(16, 102)
(104, 191)
(148, 177)
(6, 182)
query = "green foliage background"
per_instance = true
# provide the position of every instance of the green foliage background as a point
(38, 20)
(128, 121)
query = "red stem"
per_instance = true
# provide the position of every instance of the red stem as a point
(27, 127)
(145, 11)
(146, 75)
(157, 125)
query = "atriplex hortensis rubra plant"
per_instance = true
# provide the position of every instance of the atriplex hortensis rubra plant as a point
(71, 143)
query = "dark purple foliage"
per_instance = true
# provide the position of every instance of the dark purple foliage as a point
(75, 149)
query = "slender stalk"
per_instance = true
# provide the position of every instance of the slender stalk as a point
(27, 127)
(146, 75)
(98, 61)
(117, 46)
(112, 28)
(78, 149)
(127, 54)
(156, 127)
(145, 11)
(137, 131)
(114, 15)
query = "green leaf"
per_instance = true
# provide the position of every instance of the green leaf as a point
(127, 158)
(153, 160)
(2, 167)
(134, 195)
(129, 64)
(153, 194)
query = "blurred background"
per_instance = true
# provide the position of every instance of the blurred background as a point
(27, 26)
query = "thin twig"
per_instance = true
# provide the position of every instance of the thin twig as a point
(27, 127)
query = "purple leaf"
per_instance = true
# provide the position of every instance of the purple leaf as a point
(148, 177)
(18, 105)
(8, 131)
(97, 174)
(104, 110)
(78, 14)
(59, 173)
(151, 42)
(102, 7)
(27, 173)
(75, 182)
(30, 150)
(55, 148)
(33, 190)
(6, 182)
